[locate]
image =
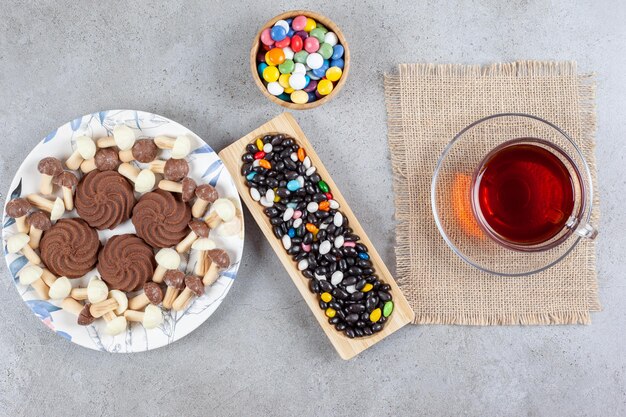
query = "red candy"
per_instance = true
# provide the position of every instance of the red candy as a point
(329, 196)
(259, 155)
(284, 43)
(296, 43)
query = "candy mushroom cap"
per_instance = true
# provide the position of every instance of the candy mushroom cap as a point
(18, 207)
(175, 169)
(189, 188)
(182, 147)
(168, 258)
(225, 209)
(84, 317)
(200, 228)
(194, 284)
(116, 326)
(207, 193)
(145, 150)
(107, 159)
(86, 147)
(152, 316)
(153, 292)
(122, 301)
(60, 288)
(175, 278)
(65, 179)
(30, 274)
(220, 257)
(124, 137)
(16, 242)
(50, 166)
(97, 290)
(57, 209)
(203, 243)
(40, 221)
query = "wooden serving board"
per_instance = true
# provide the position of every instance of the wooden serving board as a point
(346, 347)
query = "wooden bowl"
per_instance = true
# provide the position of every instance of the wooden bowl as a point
(331, 27)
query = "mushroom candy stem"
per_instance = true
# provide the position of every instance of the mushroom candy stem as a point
(223, 210)
(31, 275)
(85, 149)
(103, 307)
(39, 223)
(202, 245)
(193, 286)
(152, 294)
(48, 167)
(180, 146)
(150, 318)
(144, 179)
(219, 261)
(123, 137)
(67, 181)
(82, 312)
(186, 187)
(175, 281)
(166, 259)
(199, 229)
(18, 208)
(19, 242)
(205, 196)
(56, 208)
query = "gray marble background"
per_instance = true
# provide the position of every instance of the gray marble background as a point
(262, 353)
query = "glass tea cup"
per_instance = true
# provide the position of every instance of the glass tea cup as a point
(462, 221)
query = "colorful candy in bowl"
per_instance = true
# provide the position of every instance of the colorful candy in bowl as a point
(300, 59)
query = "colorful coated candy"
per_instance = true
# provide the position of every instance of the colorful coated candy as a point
(300, 60)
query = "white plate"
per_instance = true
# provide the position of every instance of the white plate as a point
(205, 167)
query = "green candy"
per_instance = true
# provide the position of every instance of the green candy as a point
(300, 57)
(323, 186)
(326, 51)
(287, 67)
(318, 33)
(321, 27)
(388, 308)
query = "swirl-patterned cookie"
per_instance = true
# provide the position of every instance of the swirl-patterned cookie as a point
(126, 262)
(104, 199)
(70, 248)
(161, 219)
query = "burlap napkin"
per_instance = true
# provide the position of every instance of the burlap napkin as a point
(427, 105)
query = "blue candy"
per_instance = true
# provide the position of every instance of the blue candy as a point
(337, 63)
(293, 185)
(290, 33)
(321, 71)
(307, 80)
(261, 67)
(337, 51)
(364, 256)
(289, 21)
(312, 75)
(292, 205)
(285, 97)
(291, 232)
(279, 33)
(250, 175)
(312, 96)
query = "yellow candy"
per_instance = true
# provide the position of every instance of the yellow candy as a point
(299, 97)
(367, 287)
(276, 198)
(333, 73)
(310, 25)
(324, 87)
(271, 74)
(375, 315)
(268, 61)
(326, 297)
(330, 312)
(259, 144)
(289, 90)
(283, 80)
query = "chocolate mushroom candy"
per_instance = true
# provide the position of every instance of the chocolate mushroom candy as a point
(56, 208)
(115, 324)
(222, 210)
(172, 169)
(19, 243)
(193, 286)
(39, 222)
(166, 259)
(122, 301)
(219, 261)
(175, 281)
(106, 159)
(181, 146)
(18, 208)
(144, 179)
(206, 195)
(123, 137)
(150, 318)
(152, 294)
(144, 151)
(186, 187)
(67, 181)
(85, 150)
(60, 288)
(103, 307)
(97, 290)
(48, 167)
(203, 246)
(82, 312)
(31, 275)
(199, 229)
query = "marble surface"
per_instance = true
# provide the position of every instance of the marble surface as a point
(262, 353)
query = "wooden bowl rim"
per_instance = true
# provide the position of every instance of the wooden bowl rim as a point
(326, 22)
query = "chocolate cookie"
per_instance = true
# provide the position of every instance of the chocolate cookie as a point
(161, 219)
(104, 199)
(126, 262)
(70, 248)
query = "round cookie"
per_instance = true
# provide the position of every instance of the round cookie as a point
(126, 262)
(70, 248)
(161, 219)
(104, 199)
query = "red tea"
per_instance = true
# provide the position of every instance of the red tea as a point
(525, 193)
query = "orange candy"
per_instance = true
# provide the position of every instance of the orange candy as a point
(276, 55)
(301, 154)
(311, 228)
(324, 205)
(265, 164)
